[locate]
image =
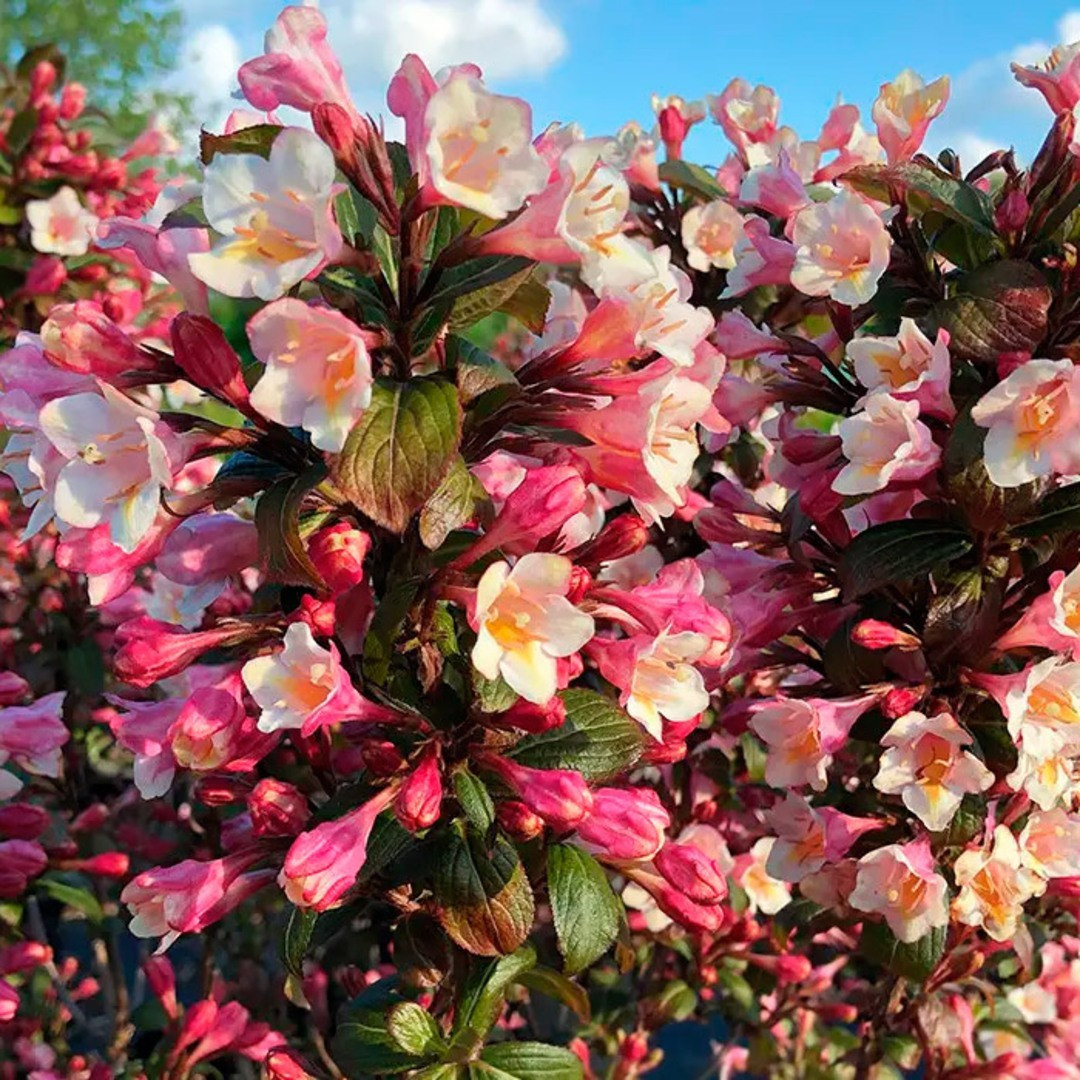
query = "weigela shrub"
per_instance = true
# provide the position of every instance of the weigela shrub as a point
(700, 645)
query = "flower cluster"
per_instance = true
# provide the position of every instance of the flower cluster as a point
(709, 637)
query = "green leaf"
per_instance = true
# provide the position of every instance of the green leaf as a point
(72, 896)
(553, 984)
(356, 293)
(483, 993)
(692, 178)
(925, 184)
(363, 1043)
(277, 517)
(414, 1029)
(440, 1072)
(1058, 512)
(587, 913)
(962, 618)
(999, 308)
(451, 505)
(967, 823)
(529, 1061)
(913, 961)
(675, 1002)
(472, 276)
(400, 449)
(250, 140)
(473, 796)
(402, 585)
(21, 129)
(485, 902)
(476, 371)
(529, 304)
(474, 306)
(85, 667)
(597, 739)
(898, 551)
(492, 695)
(294, 944)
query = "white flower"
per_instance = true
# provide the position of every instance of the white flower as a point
(710, 233)
(665, 684)
(60, 225)
(275, 217)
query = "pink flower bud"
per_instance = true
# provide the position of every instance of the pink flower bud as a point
(45, 277)
(518, 820)
(786, 968)
(283, 1064)
(320, 615)
(322, 864)
(875, 634)
(220, 790)
(20, 861)
(560, 796)
(9, 1002)
(381, 757)
(526, 716)
(109, 864)
(622, 536)
(13, 688)
(42, 78)
(338, 552)
(277, 808)
(625, 825)
(72, 101)
(208, 547)
(901, 700)
(690, 870)
(162, 981)
(24, 956)
(419, 800)
(204, 355)
(23, 821)
(81, 337)
(1011, 214)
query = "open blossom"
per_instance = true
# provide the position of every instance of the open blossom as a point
(302, 685)
(60, 225)
(747, 114)
(657, 676)
(118, 457)
(842, 249)
(470, 147)
(904, 110)
(1032, 416)
(1050, 844)
(883, 444)
(1057, 78)
(994, 886)
(925, 764)
(760, 259)
(909, 366)
(525, 624)
(318, 371)
(802, 734)
(899, 883)
(766, 893)
(710, 233)
(1045, 778)
(808, 838)
(275, 217)
(31, 737)
(1051, 620)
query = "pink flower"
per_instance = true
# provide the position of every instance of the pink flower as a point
(525, 624)
(81, 337)
(710, 233)
(885, 443)
(899, 882)
(775, 187)
(675, 117)
(808, 838)
(760, 259)
(208, 548)
(904, 110)
(926, 765)
(419, 799)
(318, 371)
(1031, 417)
(277, 808)
(298, 69)
(560, 796)
(20, 862)
(624, 825)
(764, 892)
(994, 886)
(747, 114)
(842, 249)
(60, 225)
(1050, 844)
(1057, 78)
(143, 729)
(31, 737)
(338, 552)
(803, 734)
(323, 863)
(691, 871)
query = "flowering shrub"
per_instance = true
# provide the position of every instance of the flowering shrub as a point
(703, 646)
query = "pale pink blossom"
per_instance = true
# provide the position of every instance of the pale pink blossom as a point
(1031, 417)
(525, 624)
(925, 763)
(994, 886)
(1045, 779)
(710, 233)
(1057, 78)
(747, 114)
(1050, 844)
(60, 225)
(765, 893)
(904, 110)
(1051, 620)
(807, 838)
(899, 883)
(884, 443)
(760, 259)
(842, 249)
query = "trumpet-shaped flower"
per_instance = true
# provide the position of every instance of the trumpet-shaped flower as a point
(710, 233)
(765, 893)
(884, 443)
(925, 764)
(1046, 779)
(1031, 416)
(904, 110)
(899, 883)
(747, 114)
(842, 249)
(1050, 844)
(808, 839)
(60, 225)
(1057, 78)
(118, 457)
(994, 886)
(525, 624)
(318, 370)
(275, 216)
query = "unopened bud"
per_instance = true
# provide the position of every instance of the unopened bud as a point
(419, 800)
(534, 719)
(277, 808)
(875, 634)
(338, 552)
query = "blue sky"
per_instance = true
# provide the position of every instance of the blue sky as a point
(598, 61)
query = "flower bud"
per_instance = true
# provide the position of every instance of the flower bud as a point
(72, 101)
(534, 719)
(204, 355)
(419, 800)
(320, 615)
(381, 757)
(277, 808)
(786, 968)
(208, 547)
(23, 821)
(24, 956)
(518, 820)
(901, 700)
(80, 337)
(284, 1064)
(1011, 214)
(692, 872)
(109, 864)
(20, 861)
(162, 981)
(560, 796)
(875, 634)
(13, 688)
(45, 277)
(338, 552)
(220, 790)
(622, 536)
(625, 825)
(42, 78)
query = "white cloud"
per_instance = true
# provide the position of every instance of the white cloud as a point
(507, 38)
(1068, 27)
(207, 72)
